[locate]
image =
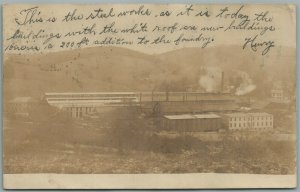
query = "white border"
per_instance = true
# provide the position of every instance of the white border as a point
(147, 181)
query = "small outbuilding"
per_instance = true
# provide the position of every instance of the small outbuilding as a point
(192, 122)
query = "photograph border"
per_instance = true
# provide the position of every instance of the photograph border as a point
(51, 180)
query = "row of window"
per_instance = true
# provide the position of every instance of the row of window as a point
(263, 128)
(253, 124)
(251, 118)
(79, 109)
(277, 94)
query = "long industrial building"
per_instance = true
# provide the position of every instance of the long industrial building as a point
(80, 104)
(158, 103)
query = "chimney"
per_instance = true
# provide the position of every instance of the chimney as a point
(222, 82)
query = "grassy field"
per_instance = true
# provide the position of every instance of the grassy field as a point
(63, 145)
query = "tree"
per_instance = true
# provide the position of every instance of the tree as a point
(128, 129)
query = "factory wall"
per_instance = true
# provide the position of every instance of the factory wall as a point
(249, 121)
(197, 107)
(192, 125)
(78, 112)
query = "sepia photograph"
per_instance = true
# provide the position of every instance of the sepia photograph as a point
(115, 107)
(113, 110)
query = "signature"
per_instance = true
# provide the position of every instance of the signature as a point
(255, 45)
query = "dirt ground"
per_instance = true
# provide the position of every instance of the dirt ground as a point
(85, 148)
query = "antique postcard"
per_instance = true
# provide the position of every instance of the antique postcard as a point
(149, 96)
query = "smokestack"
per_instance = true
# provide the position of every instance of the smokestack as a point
(167, 95)
(222, 82)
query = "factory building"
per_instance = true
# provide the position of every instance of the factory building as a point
(20, 106)
(81, 104)
(162, 103)
(159, 103)
(279, 94)
(192, 123)
(248, 121)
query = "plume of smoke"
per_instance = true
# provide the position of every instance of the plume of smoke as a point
(242, 90)
(246, 86)
(210, 81)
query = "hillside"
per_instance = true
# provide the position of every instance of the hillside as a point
(120, 69)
